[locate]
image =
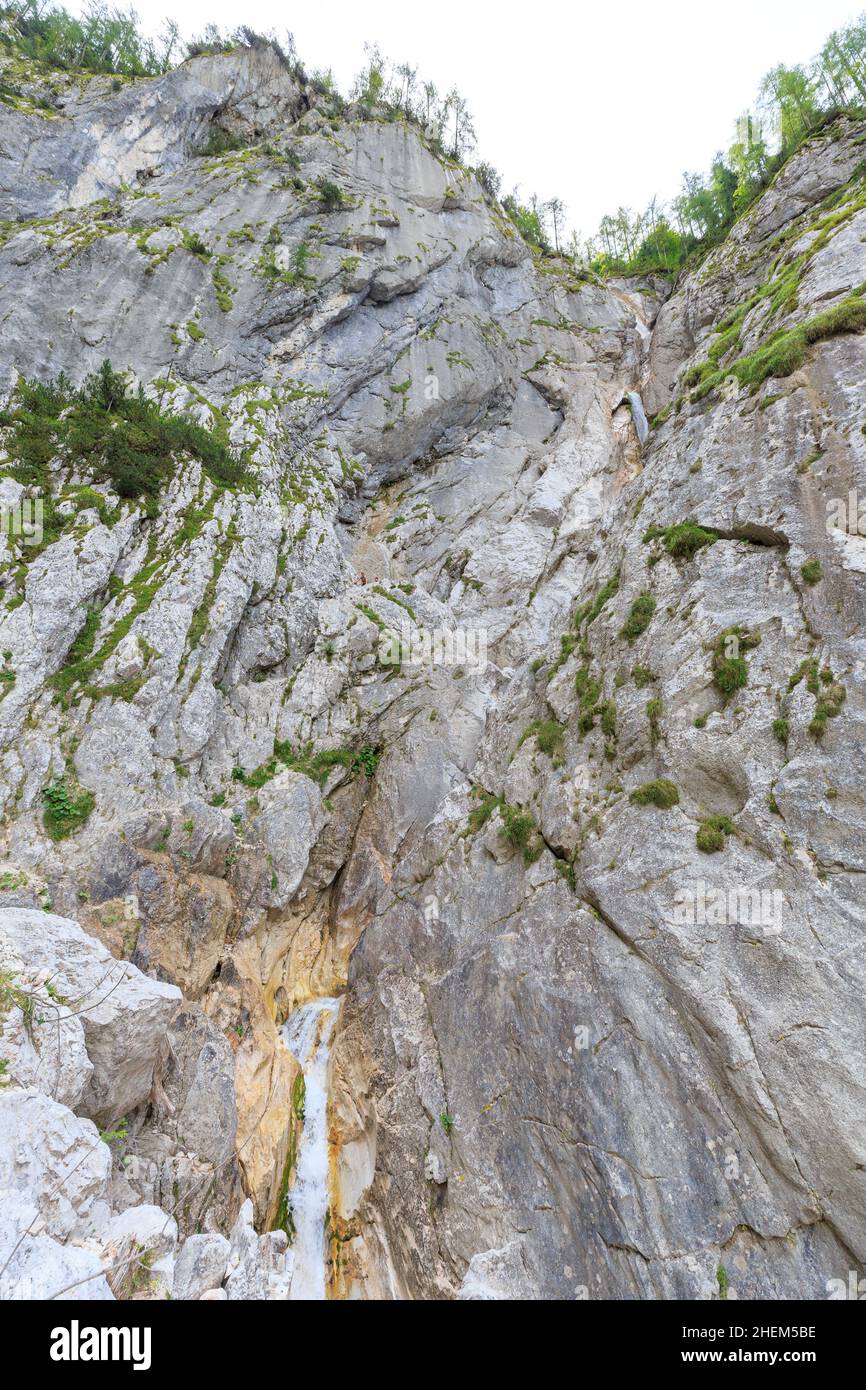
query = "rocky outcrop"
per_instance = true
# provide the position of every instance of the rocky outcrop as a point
(93, 135)
(120, 1014)
(465, 700)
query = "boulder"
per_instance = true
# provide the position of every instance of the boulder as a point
(201, 1266)
(55, 1161)
(124, 1014)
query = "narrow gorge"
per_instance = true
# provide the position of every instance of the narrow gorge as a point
(432, 766)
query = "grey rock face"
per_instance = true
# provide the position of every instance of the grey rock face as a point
(124, 1015)
(200, 1266)
(55, 1162)
(96, 139)
(398, 718)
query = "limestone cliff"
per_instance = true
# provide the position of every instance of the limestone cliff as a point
(457, 693)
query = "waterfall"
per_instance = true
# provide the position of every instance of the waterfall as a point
(307, 1034)
(638, 414)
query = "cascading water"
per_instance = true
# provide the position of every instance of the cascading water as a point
(638, 414)
(307, 1034)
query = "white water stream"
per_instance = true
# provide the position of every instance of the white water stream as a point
(307, 1034)
(638, 414)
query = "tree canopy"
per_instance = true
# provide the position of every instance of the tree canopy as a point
(792, 103)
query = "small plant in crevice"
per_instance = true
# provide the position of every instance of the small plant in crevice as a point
(366, 761)
(730, 672)
(661, 792)
(192, 242)
(642, 676)
(654, 715)
(683, 540)
(811, 571)
(480, 814)
(219, 142)
(520, 830)
(829, 694)
(548, 735)
(575, 639)
(639, 617)
(712, 833)
(65, 810)
(566, 871)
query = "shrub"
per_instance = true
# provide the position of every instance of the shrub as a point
(366, 761)
(109, 434)
(330, 194)
(219, 142)
(300, 256)
(489, 179)
(639, 617)
(661, 793)
(103, 39)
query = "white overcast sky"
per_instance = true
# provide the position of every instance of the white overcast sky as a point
(601, 105)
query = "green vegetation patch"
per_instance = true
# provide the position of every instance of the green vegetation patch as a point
(316, 766)
(109, 433)
(661, 792)
(713, 832)
(811, 571)
(829, 693)
(730, 672)
(548, 735)
(639, 617)
(518, 827)
(683, 540)
(65, 808)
